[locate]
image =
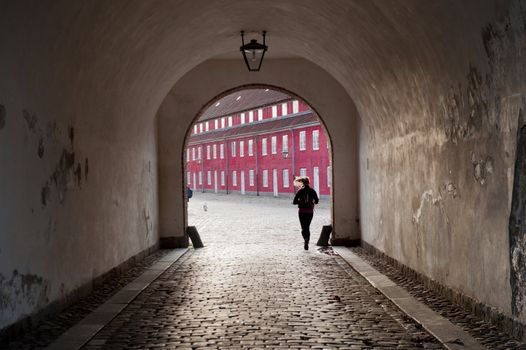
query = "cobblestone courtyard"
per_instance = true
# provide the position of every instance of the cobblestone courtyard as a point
(253, 286)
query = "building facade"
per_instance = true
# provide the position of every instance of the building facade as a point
(258, 150)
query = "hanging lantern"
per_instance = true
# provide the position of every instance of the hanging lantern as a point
(253, 52)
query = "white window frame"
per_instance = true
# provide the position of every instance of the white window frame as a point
(195, 129)
(264, 146)
(222, 177)
(209, 177)
(214, 151)
(274, 111)
(284, 109)
(233, 148)
(251, 116)
(187, 155)
(188, 177)
(303, 171)
(274, 144)
(216, 124)
(200, 127)
(230, 121)
(285, 143)
(234, 178)
(207, 151)
(222, 151)
(223, 123)
(193, 153)
(265, 178)
(200, 177)
(241, 148)
(207, 126)
(242, 117)
(251, 177)
(329, 176)
(303, 140)
(286, 178)
(260, 114)
(315, 140)
(295, 106)
(250, 147)
(199, 153)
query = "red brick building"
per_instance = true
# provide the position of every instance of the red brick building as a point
(255, 142)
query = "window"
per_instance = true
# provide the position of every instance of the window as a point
(265, 178)
(273, 146)
(195, 129)
(251, 177)
(284, 109)
(295, 106)
(200, 177)
(188, 177)
(207, 151)
(329, 176)
(264, 146)
(222, 151)
(201, 127)
(285, 177)
(303, 171)
(303, 141)
(315, 140)
(241, 148)
(229, 121)
(242, 118)
(207, 126)
(260, 114)
(250, 147)
(193, 153)
(187, 155)
(214, 151)
(216, 124)
(234, 178)
(222, 178)
(274, 111)
(223, 123)
(233, 146)
(285, 144)
(250, 116)
(199, 153)
(209, 177)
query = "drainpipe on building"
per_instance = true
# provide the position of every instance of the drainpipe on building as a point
(257, 166)
(227, 176)
(292, 158)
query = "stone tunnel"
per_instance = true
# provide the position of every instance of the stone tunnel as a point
(424, 102)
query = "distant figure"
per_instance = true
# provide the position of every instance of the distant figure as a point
(305, 198)
(189, 193)
(205, 207)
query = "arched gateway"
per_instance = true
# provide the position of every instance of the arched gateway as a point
(200, 87)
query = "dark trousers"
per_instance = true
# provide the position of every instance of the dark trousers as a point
(305, 220)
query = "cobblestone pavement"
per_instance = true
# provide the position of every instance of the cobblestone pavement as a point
(253, 286)
(52, 327)
(487, 334)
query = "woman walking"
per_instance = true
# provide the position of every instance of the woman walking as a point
(305, 198)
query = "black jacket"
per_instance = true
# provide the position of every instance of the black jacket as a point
(312, 195)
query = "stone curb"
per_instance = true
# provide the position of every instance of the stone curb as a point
(81, 333)
(451, 336)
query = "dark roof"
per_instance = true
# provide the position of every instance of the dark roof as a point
(267, 125)
(241, 101)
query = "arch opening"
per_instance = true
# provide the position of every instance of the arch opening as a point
(250, 142)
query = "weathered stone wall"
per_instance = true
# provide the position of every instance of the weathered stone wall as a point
(78, 195)
(448, 169)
